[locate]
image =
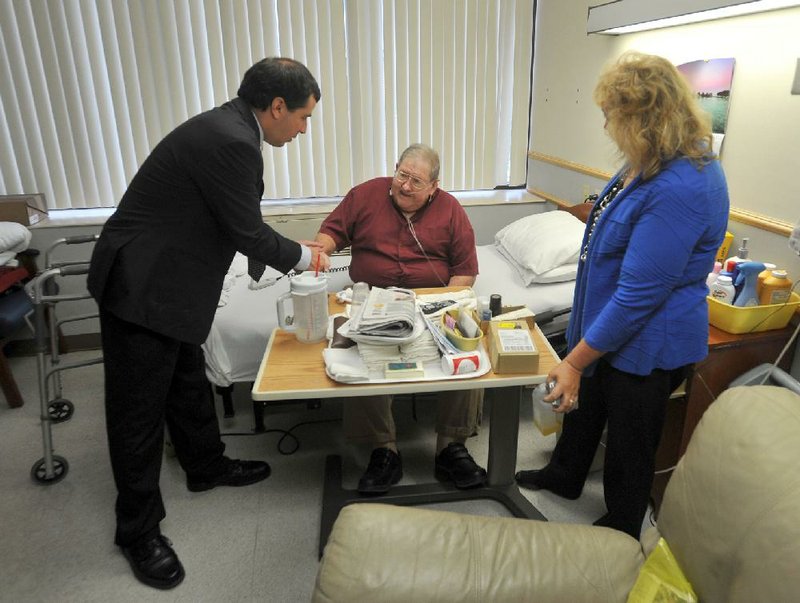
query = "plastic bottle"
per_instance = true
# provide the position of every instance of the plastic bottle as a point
(776, 288)
(545, 419)
(743, 253)
(768, 268)
(722, 290)
(495, 304)
(748, 280)
(712, 276)
(484, 312)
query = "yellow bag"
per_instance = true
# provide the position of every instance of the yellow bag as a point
(661, 579)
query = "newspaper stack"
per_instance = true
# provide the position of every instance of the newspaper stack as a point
(389, 313)
(422, 349)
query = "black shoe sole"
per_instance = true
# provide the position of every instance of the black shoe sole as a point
(443, 475)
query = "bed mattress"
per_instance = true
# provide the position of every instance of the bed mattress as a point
(242, 326)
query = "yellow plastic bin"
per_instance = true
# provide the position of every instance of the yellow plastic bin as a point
(753, 319)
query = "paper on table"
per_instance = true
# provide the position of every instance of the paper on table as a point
(346, 366)
(386, 313)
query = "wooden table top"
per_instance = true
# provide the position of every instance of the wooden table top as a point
(294, 370)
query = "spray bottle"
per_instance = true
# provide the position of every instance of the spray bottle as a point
(748, 279)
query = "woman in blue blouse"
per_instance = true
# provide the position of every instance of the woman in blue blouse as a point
(639, 315)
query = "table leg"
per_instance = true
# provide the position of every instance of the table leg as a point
(501, 487)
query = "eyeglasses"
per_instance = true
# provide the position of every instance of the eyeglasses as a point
(414, 182)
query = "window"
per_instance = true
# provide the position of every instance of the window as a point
(88, 87)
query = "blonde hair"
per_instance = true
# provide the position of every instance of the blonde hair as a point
(652, 114)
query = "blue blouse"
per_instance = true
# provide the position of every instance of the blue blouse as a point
(640, 295)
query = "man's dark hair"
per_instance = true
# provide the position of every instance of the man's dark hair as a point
(278, 76)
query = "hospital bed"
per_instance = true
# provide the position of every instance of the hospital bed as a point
(246, 316)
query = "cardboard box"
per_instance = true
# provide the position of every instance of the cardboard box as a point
(530, 320)
(511, 347)
(23, 209)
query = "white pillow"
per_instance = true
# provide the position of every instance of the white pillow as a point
(567, 272)
(14, 237)
(543, 241)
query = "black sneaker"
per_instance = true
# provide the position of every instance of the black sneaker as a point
(155, 563)
(456, 464)
(385, 469)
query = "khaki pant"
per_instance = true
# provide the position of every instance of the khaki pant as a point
(369, 418)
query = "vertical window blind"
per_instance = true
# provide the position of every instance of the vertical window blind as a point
(89, 87)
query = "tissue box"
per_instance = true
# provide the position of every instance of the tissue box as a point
(23, 209)
(511, 347)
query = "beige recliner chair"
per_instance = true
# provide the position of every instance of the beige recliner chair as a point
(731, 515)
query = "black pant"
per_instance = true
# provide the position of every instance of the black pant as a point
(150, 378)
(634, 407)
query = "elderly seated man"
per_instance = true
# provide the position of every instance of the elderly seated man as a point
(405, 232)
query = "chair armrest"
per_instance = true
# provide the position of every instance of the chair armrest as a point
(398, 554)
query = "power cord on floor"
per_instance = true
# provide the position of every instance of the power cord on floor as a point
(287, 433)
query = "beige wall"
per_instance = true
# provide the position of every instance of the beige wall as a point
(761, 151)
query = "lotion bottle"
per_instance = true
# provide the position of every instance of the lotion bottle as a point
(743, 253)
(712, 276)
(722, 290)
(768, 268)
(776, 288)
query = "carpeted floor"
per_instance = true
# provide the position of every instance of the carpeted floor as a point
(237, 544)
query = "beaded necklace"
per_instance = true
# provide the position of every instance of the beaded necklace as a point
(601, 207)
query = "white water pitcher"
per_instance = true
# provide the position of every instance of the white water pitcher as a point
(309, 318)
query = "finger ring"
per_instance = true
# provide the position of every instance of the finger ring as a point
(573, 400)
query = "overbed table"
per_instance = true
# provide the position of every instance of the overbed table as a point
(293, 370)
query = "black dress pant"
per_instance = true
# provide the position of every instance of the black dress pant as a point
(150, 379)
(634, 407)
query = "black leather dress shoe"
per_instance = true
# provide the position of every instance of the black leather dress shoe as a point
(456, 464)
(385, 469)
(237, 473)
(155, 563)
(541, 479)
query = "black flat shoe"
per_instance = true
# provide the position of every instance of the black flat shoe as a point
(155, 563)
(540, 479)
(456, 464)
(384, 470)
(238, 473)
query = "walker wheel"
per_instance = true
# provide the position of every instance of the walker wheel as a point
(60, 469)
(60, 410)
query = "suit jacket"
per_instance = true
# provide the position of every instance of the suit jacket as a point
(162, 256)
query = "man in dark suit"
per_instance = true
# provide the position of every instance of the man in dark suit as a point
(157, 272)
